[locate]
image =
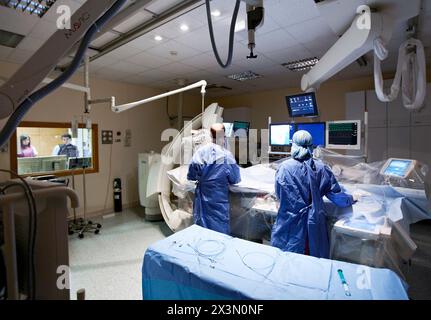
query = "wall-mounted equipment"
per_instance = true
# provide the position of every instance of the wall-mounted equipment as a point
(302, 105)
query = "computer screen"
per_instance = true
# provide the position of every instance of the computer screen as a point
(79, 163)
(302, 105)
(317, 131)
(228, 126)
(280, 134)
(241, 128)
(398, 167)
(343, 135)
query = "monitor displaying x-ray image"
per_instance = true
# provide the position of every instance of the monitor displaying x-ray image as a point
(302, 105)
(280, 134)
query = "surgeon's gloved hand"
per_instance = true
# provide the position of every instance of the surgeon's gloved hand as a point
(358, 194)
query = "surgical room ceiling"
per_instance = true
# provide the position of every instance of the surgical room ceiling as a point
(293, 30)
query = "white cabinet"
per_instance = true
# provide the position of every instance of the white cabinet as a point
(399, 142)
(355, 105)
(420, 144)
(423, 117)
(398, 115)
(377, 111)
(393, 131)
(377, 144)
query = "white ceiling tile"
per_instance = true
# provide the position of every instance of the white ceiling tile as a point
(102, 62)
(148, 60)
(204, 61)
(128, 67)
(173, 28)
(133, 21)
(167, 49)
(198, 39)
(157, 75)
(103, 39)
(177, 68)
(291, 54)
(160, 6)
(287, 13)
(314, 30)
(275, 40)
(124, 52)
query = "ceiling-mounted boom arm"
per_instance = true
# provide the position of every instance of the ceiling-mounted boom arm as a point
(202, 84)
(354, 43)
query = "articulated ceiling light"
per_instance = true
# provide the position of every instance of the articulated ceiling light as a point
(158, 38)
(216, 13)
(244, 76)
(35, 7)
(301, 65)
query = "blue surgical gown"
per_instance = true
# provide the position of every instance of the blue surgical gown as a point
(300, 187)
(214, 169)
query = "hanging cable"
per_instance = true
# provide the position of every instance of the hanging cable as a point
(410, 76)
(28, 103)
(231, 34)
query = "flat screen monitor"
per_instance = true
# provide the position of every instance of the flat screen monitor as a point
(228, 127)
(241, 128)
(317, 131)
(400, 168)
(343, 135)
(302, 105)
(79, 163)
(280, 134)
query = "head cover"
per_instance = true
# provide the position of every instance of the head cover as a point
(302, 145)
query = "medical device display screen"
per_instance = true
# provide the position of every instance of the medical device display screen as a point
(317, 131)
(398, 168)
(344, 133)
(281, 134)
(228, 127)
(302, 105)
(240, 128)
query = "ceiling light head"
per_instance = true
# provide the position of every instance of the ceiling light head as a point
(184, 27)
(244, 76)
(301, 65)
(158, 38)
(216, 13)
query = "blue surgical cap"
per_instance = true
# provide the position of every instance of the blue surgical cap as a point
(302, 145)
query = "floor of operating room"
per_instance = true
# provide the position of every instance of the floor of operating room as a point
(108, 266)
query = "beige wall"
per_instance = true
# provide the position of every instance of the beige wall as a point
(146, 122)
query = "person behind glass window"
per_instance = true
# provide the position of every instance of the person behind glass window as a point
(26, 150)
(67, 148)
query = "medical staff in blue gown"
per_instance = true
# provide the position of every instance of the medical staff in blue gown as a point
(300, 184)
(214, 169)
